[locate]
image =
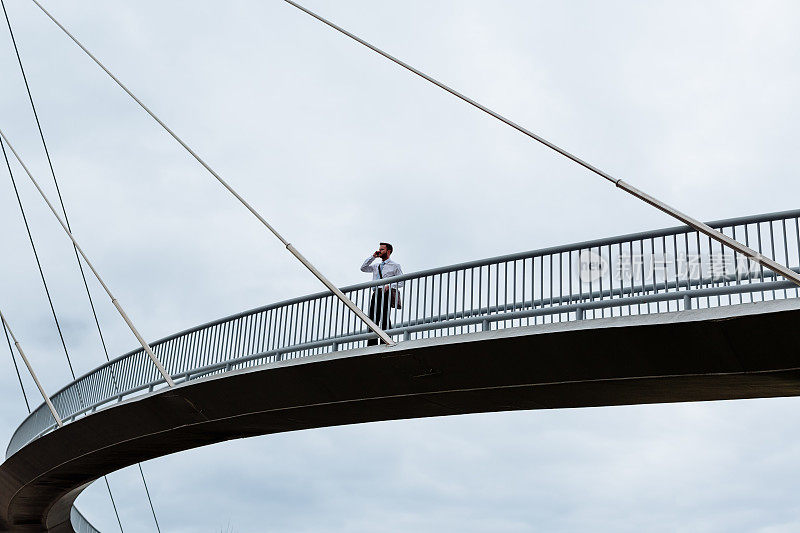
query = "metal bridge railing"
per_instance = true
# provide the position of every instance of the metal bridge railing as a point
(79, 522)
(649, 272)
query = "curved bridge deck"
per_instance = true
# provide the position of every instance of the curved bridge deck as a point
(671, 322)
(687, 356)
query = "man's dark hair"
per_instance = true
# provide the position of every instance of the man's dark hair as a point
(388, 246)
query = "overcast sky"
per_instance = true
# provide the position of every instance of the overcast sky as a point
(694, 102)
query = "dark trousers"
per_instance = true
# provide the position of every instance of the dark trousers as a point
(379, 311)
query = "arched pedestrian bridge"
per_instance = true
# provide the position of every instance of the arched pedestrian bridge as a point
(659, 316)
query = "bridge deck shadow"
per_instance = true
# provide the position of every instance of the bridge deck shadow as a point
(744, 351)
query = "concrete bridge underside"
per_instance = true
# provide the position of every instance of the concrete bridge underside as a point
(743, 351)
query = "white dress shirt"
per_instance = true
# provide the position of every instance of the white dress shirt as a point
(388, 269)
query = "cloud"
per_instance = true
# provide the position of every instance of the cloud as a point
(339, 148)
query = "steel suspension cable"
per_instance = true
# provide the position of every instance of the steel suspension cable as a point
(38, 262)
(330, 286)
(28, 407)
(52, 171)
(113, 503)
(16, 368)
(30, 370)
(114, 301)
(75, 250)
(147, 491)
(52, 307)
(686, 219)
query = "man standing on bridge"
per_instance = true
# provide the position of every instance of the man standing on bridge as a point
(388, 296)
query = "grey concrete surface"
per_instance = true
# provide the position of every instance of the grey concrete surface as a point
(742, 351)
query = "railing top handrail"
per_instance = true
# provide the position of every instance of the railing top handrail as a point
(676, 230)
(738, 221)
